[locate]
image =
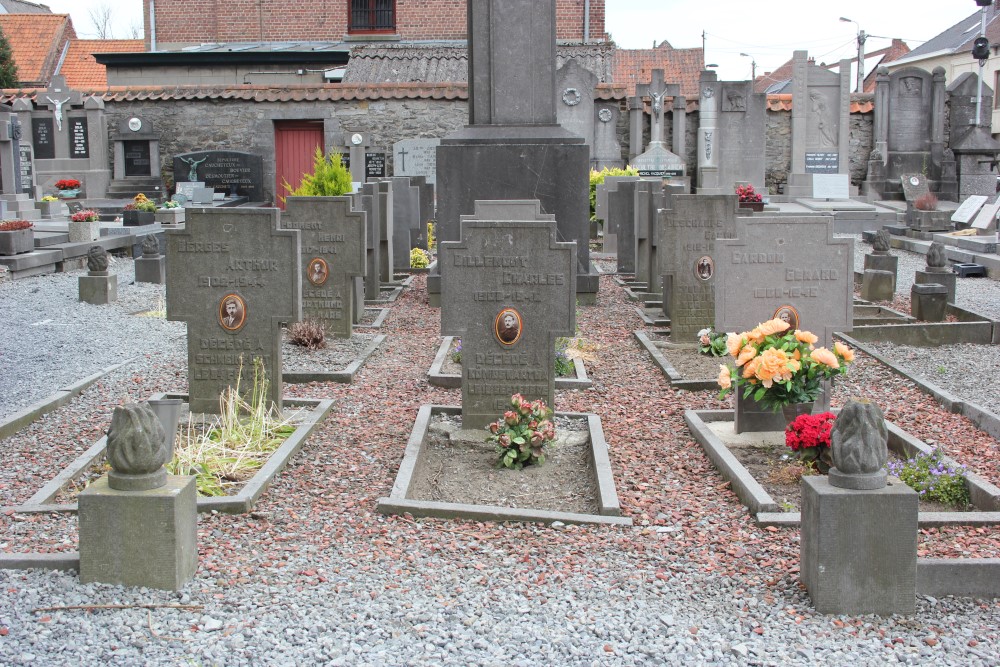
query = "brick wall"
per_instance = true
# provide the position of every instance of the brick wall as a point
(197, 21)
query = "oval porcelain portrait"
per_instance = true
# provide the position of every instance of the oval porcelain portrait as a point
(318, 271)
(507, 326)
(232, 312)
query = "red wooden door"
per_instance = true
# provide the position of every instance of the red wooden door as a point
(295, 143)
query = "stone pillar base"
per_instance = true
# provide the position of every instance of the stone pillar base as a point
(928, 301)
(878, 285)
(859, 548)
(139, 538)
(944, 277)
(151, 270)
(99, 290)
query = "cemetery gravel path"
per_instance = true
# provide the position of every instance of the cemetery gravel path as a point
(316, 576)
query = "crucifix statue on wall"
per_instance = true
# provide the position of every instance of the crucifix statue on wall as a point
(57, 111)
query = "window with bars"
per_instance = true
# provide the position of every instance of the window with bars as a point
(373, 16)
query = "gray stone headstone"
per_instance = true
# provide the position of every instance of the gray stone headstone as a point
(333, 251)
(575, 106)
(416, 157)
(234, 276)
(621, 219)
(914, 186)
(968, 209)
(602, 213)
(406, 224)
(508, 292)
(386, 230)
(973, 145)
(731, 149)
(607, 149)
(686, 248)
(367, 199)
(987, 217)
(831, 186)
(649, 198)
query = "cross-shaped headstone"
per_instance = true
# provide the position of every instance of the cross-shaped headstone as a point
(687, 252)
(333, 252)
(233, 276)
(509, 291)
(657, 90)
(59, 98)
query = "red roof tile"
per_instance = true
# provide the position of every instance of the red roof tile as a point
(36, 41)
(683, 66)
(80, 67)
(783, 102)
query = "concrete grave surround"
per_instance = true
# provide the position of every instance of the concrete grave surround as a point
(333, 251)
(224, 171)
(820, 122)
(416, 157)
(241, 256)
(783, 263)
(687, 252)
(508, 260)
(513, 147)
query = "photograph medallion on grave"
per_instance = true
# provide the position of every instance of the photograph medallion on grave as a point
(704, 268)
(319, 271)
(507, 326)
(787, 314)
(232, 312)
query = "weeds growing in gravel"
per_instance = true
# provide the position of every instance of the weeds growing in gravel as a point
(308, 334)
(933, 478)
(236, 443)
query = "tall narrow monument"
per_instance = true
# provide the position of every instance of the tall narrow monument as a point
(513, 147)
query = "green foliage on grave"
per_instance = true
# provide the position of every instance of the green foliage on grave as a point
(329, 178)
(419, 259)
(523, 433)
(933, 478)
(8, 68)
(597, 177)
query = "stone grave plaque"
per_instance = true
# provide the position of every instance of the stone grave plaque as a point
(416, 157)
(987, 216)
(831, 186)
(508, 292)
(79, 142)
(187, 188)
(822, 163)
(969, 208)
(43, 139)
(686, 247)
(333, 252)
(25, 168)
(234, 276)
(374, 164)
(137, 158)
(227, 171)
(914, 186)
(790, 268)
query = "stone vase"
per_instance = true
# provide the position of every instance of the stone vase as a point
(68, 194)
(49, 209)
(17, 241)
(755, 206)
(84, 232)
(137, 218)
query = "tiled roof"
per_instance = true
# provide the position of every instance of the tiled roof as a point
(20, 7)
(958, 37)
(36, 41)
(683, 66)
(448, 63)
(773, 82)
(783, 102)
(80, 67)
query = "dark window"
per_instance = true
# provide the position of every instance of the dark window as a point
(373, 16)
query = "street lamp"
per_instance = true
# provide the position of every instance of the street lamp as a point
(861, 52)
(753, 66)
(981, 52)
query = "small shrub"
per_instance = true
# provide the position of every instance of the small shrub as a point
(308, 334)
(14, 225)
(808, 436)
(523, 433)
(926, 202)
(712, 343)
(932, 478)
(431, 237)
(597, 177)
(419, 259)
(329, 178)
(456, 356)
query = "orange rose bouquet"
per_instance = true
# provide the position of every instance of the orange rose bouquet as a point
(777, 367)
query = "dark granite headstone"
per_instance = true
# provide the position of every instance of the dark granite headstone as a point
(333, 252)
(374, 164)
(136, 158)
(914, 186)
(43, 138)
(25, 171)
(225, 170)
(234, 276)
(79, 143)
(508, 293)
(621, 218)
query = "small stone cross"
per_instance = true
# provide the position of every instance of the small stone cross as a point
(657, 91)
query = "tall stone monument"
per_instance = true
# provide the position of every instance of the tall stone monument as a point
(657, 160)
(513, 147)
(732, 126)
(820, 122)
(975, 148)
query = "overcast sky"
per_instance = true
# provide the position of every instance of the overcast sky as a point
(767, 30)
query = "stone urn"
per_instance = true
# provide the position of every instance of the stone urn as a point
(84, 231)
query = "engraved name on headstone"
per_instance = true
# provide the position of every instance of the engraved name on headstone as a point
(969, 208)
(416, 157)
(226, 170)
(233, 276)
(79, 143)
(333, 252)
(43, 139)
(509, 291)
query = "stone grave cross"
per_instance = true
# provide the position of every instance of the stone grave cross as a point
(509, 291)
(58, 98)
(657, 90)
(233, 276)
(333, 252)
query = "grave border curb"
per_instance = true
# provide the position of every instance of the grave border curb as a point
(438, 379)
(669, 372)
(379, 319)
(768, 513)
(345, 376)
(240, 503)
(61, 561)
(397, 502)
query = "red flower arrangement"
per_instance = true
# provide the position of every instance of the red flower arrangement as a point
(14, 225)
(68, 184)
(85, 216)
(809, 437)
(747, 194)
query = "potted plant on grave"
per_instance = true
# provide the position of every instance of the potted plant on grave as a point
(84, 226)
(68, 188)
(49, 206)
(808, 436)
(523, 433)
(750, 198)
(142, 211)
(781, 368)
(16, 237)
(169, 213)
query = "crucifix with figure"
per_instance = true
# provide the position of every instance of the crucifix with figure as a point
(657, 90)
(509, 290)
(58, 98)
(234, 276)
